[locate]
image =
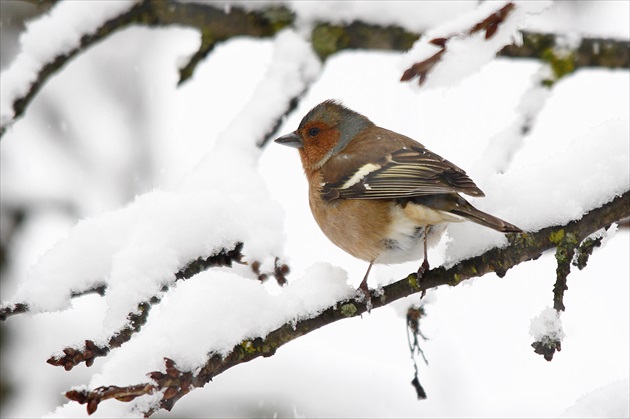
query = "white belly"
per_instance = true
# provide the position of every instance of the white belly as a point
(404, 241)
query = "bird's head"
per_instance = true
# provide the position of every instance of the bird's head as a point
(324, 132)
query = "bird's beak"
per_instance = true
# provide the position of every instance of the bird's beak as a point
(292, 140)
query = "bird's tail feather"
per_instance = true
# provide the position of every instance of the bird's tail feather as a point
(456, 205)
(466, 210)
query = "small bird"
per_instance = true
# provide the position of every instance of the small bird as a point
(379, 195)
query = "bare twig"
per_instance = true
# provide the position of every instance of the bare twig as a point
(12, 309)
(585, 250)
(414, 314)
(566, 245)
(19, 308)
(124, 394)
(280, 271)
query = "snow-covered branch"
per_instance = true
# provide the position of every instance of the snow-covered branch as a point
(70, 27)
(73, 356)
(32, 68)
(175, 382)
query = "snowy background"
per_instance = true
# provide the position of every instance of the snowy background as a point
(113, 126)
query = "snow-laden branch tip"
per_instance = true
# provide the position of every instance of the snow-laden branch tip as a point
(546, 329)
(47, 43)
(462, 46)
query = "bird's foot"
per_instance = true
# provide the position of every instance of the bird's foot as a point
(424, 267)
(363, 288)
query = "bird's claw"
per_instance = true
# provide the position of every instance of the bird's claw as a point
(363, 288)
(424, 267)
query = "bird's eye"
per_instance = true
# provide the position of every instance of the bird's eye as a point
(313, 131)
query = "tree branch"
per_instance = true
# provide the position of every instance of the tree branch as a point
(522, 247)
(21, 103)
(217, 25)
(591, 52)
(73, 356)
(12, 309)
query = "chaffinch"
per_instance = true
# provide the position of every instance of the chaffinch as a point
(379, 195)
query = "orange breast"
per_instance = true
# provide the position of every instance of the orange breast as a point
(356, 226)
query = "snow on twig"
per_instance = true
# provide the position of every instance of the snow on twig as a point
(477, 36)
(48, 43)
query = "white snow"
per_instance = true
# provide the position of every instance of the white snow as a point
(504, 145)
(413, 16)
(604, 234)
(585, 20)
(609, 401)
(219, 312)
(516, 195)
(547, 326)
(54, 34)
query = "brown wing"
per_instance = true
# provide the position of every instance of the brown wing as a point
(406, 172)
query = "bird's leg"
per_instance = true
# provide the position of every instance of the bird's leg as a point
(424, 267)
(425, 263)
(364, 287)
